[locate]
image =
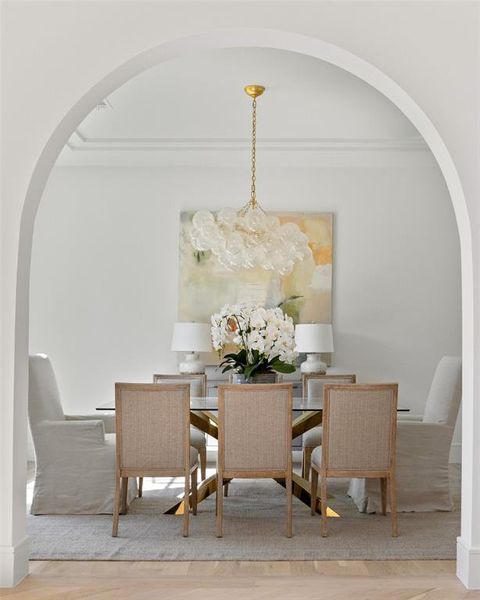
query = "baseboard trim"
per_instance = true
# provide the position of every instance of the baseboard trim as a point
(468, 565)
(14, 563)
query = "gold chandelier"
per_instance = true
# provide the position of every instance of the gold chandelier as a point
(249, 237)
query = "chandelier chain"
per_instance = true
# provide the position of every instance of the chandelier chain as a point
(253, 196)
(249, 238)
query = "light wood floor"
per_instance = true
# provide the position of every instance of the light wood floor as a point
(308, 580)
(335, 580)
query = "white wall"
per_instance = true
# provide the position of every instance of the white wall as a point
(104, 269)
(90, 41)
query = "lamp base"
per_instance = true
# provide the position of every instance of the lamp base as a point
(313, 364)
(192, 364)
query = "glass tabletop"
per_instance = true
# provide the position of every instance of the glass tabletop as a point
(302, 404)
(210, 403)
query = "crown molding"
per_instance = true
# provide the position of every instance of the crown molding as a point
(78, 142)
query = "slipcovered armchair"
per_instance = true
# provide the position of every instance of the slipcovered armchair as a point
(74, 455)
(423, 450)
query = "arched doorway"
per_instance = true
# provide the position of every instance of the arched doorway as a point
(230, 39)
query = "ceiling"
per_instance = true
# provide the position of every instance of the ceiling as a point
(194, 111)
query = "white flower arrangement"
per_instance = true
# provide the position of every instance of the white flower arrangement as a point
(265, 338)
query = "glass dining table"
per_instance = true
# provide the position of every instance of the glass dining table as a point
(307, 414)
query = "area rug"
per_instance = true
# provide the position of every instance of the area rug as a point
(254, 529)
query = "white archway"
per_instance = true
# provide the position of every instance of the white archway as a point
(281, 40)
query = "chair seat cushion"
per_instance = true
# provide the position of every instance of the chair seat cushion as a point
(197, 438)
(193, 457)
(317, 457)
(312, 438)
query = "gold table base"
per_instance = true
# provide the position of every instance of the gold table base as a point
(207, 423)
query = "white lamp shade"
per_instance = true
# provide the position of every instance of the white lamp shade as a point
(191, 337)
(314, 337)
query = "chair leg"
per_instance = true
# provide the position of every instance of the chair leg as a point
(116, 507)
(124, 508)
(202, 453)
(219, 506)
(194, 490)
(393, 504)
(225, 489)
(383, 493)
(313, 490)
(306, 462)
(323, 500)
(186, 504)
(288, 482)
(140, 487)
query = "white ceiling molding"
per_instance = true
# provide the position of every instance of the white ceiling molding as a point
(80, 143)
(165, 117)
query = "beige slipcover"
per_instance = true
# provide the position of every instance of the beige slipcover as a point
(74, 455)
(423, 450)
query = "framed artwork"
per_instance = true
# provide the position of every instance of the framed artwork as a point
(305, 294)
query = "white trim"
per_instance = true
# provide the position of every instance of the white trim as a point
(468, 565)
(14, 563)
(80, 143)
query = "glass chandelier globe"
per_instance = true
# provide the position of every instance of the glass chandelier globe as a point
(249, 237)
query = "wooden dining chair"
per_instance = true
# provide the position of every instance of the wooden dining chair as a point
(153, 440)
(198, 388)
(197, 381)
(312, 387)
(359, 440)
(254, 437)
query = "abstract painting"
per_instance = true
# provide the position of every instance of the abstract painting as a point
(305, 294)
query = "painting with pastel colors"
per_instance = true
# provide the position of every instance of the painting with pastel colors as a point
(305, 294)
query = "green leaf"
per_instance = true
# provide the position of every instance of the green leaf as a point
(232, 355)
(249, 370)
(274, 359)
(241, 357)
(282, 367)
(289, 299)
(261, 366)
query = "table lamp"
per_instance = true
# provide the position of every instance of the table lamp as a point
(192, 338)
(314, 338)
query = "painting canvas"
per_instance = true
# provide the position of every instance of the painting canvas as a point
(305, 294)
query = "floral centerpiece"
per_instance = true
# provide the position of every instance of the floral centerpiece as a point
(264, 337)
